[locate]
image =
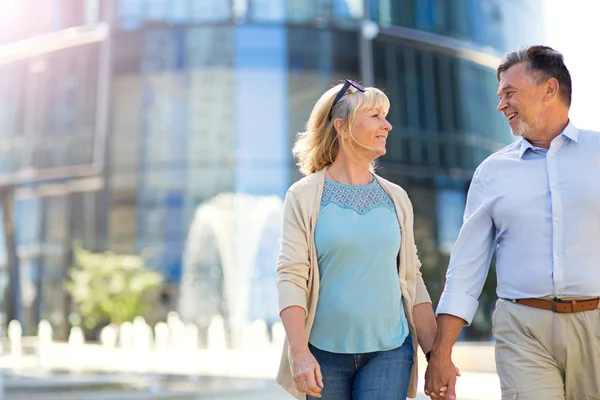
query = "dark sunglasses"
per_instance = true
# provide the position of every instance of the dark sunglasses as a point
(340, 94)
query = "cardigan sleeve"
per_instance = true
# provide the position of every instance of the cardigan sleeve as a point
(422, 295)
(293, 263)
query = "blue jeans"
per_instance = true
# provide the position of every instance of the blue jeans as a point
(367, 376)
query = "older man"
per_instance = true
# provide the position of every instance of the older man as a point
(537, 203)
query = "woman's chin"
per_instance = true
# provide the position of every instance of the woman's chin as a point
(378, 153)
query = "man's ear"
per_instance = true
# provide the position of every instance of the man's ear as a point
(552, 87)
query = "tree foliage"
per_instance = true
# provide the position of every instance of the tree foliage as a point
(111, 288)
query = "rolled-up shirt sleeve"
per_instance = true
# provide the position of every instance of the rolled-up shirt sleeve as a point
(293, 264)
(471, 255)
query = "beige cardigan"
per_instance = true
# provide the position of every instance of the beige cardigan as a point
(298, 272)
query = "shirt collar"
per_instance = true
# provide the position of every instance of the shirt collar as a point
(570, 132)
(524, 146)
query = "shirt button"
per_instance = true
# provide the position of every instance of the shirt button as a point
(554, 185)
(556, 219)
(555, 258)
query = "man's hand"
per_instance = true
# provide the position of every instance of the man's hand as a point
(440, 377)
(307, 373)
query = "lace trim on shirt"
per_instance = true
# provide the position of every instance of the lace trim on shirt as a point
(360, 198)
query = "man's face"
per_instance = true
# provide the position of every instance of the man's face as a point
(521, 101)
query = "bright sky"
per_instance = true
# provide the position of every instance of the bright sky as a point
(573, 28)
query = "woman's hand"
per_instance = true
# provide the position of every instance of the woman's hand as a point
(307, 373)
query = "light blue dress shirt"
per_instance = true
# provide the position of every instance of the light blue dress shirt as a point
(360, 301)
(540, 211)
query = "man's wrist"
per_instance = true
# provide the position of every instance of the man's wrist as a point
(440, 350)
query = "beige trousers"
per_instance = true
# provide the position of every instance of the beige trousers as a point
(542, 355)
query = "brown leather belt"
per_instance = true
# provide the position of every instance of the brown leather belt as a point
(560, 306)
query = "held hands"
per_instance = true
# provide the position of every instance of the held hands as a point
(307, 373)
(440, 378)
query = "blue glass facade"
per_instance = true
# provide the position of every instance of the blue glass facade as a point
(206, 98)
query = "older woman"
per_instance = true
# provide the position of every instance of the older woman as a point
(351, 296)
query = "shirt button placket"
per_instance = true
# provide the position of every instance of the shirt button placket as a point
(556, 201)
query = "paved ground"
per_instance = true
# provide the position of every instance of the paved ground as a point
(471, 386)
(30, 382)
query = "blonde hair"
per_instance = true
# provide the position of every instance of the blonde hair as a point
(318, 146)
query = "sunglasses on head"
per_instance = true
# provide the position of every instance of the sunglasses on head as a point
(343, 90)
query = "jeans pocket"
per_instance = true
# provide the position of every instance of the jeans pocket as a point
(510, 394)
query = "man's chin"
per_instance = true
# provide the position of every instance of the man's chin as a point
(517, 132)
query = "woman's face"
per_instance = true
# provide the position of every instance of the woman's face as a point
(370, 129)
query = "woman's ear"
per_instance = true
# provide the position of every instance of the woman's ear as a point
(340, 126)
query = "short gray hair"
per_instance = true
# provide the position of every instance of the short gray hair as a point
(543, 63)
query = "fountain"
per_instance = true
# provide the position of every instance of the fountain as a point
(229, 264)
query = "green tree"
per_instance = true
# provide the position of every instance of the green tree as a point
(111, 288)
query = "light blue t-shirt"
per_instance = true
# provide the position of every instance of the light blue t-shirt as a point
(360, 302)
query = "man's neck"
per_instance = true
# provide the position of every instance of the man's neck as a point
(544, 137)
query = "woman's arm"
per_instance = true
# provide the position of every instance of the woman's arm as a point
(293, 265)
(293, 269)
(305, 368)
(426, 325)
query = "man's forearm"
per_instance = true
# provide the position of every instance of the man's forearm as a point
(448, 330)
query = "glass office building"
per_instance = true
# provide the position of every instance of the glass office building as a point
(204, 99)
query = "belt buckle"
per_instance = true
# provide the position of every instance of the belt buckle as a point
(555, 301)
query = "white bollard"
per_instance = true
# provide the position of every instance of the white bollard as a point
(216, 334)
(126, 336)
(176, 333)
(217, 355)
(44, 344)
(15, 334)
(76, 344)
(142, 335)
(142, 344)
(161, 337)
(109, 336)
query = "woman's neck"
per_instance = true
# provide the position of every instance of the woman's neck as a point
(350, 172)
